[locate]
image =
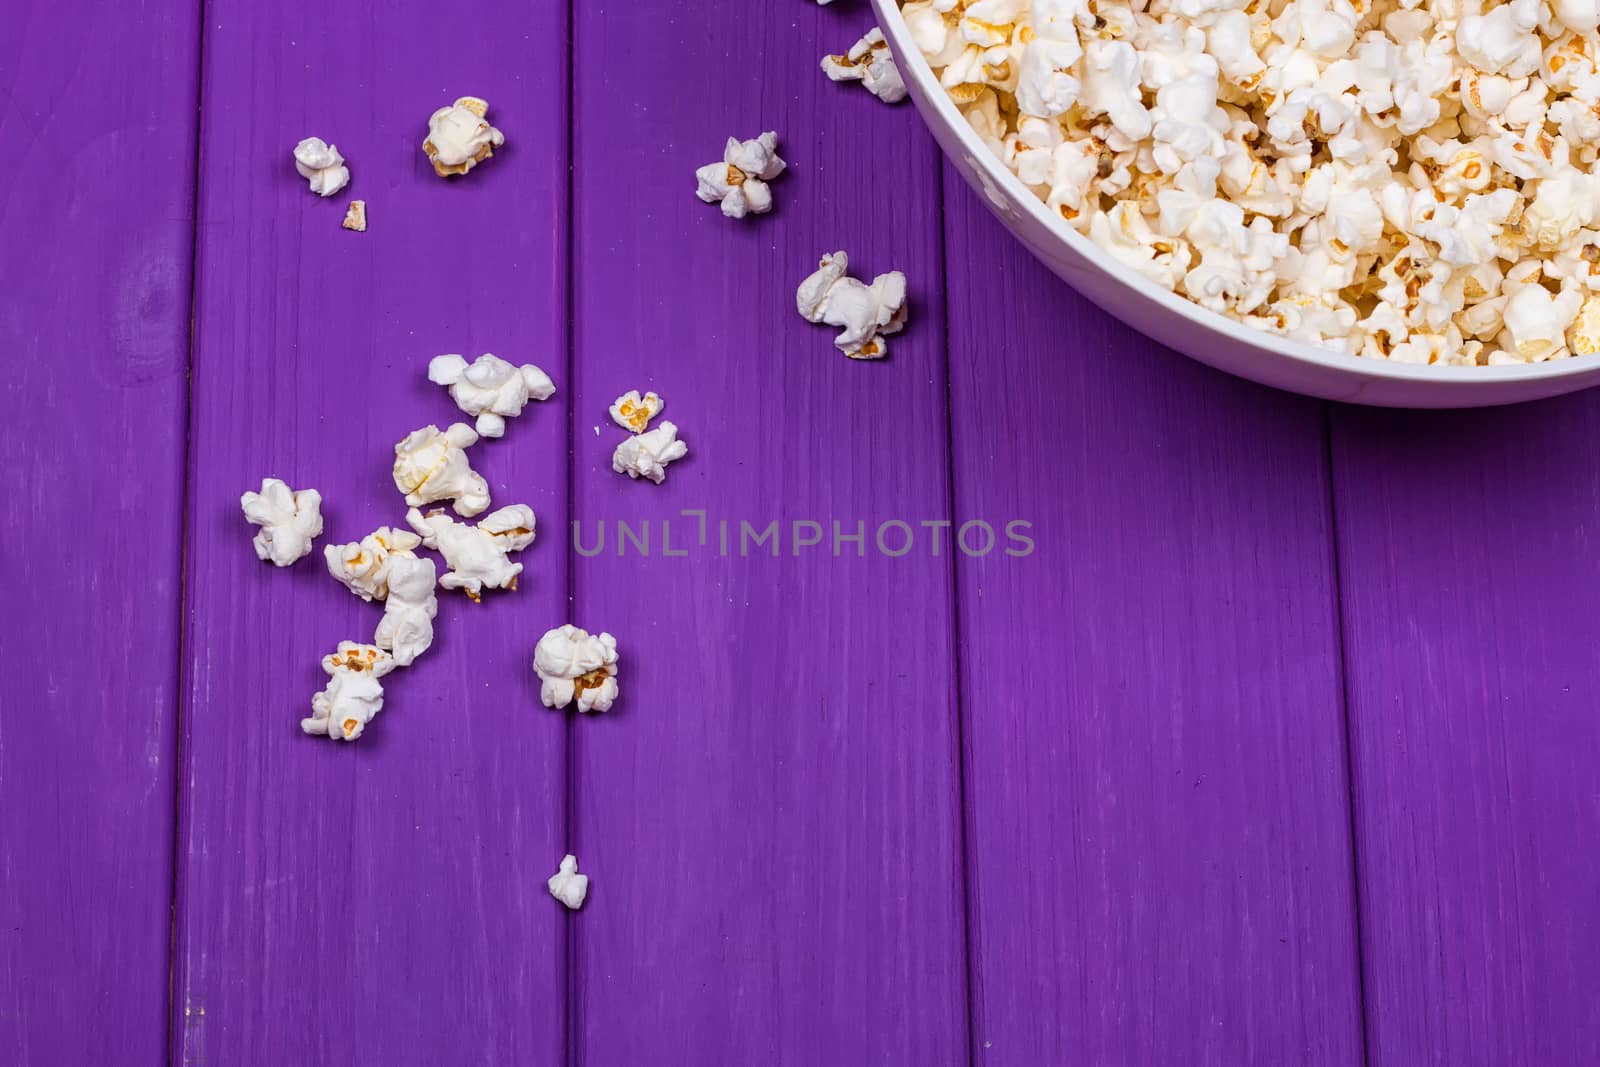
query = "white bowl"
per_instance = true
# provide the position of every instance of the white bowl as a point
(1179, 324)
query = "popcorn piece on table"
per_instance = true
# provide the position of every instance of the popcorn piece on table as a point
(430, 466)
(869, 62)
(353, 695)
(567, 885)
(321, 165)
(460, 137)
(739, 182)
(646, 455)
(363, 566)
(633, 412)
(406, 629)
(865, 313)
(476, 555)
(355, 216)
(490, 388)
(289, 521)
(572, 665)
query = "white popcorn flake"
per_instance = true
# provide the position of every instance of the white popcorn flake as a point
(573, 666)
(477, 555)
(460, 137)
(290, 521)
(567, 885)
(646, 455)
(362, 566)
(321, 165)
(633, 412)
(355, 216)
(739, 182)
(431, 466)
(865, 313)
(490, 388)
(353, 695)
(869, 62)
(406, 629)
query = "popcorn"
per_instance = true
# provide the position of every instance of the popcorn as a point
(289, 521)
(321, 165)
(353, 695)
(355, 216)
(739, 182)
(460, 137)
(406, 630)
(476, 555)
(490, 388)
(567, 885)
(572, 665)
(869, 62)
(866, 313)
(646, 455)
(633, 412)
(363, 566)
(430, 466)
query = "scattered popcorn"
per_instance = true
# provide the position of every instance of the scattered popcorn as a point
(363, 566)
(355, 216)
(739, 182)
(646, 455)
(406, 630)
(431, 466)
(289, 521)
(572, 665)
(460, 137)
(567, 885)
(866, 313)
(1396, 179)
(490, 388)
(633, 412)
(321, 165)
(869, 62)
(477, 554)
(353, 695)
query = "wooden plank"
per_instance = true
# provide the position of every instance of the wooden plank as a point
(1156, 788)
(381, 902)
(1467, 547)
(97, 106)
(770, 814)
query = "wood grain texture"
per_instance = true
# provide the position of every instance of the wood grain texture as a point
(771, 813)
(1156, 791)
(97, 105)
(381, 902)
(1471, 568)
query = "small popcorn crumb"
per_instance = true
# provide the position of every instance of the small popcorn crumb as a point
(490, 388)
(739, 182)
(355, 216)
(865, 313)
(572, 665)
(633, 412)
(321, 165)
(567, 885)
(290, 521)
(460, 137)
(353, 695)
(646, 455)
(430, 466)
(477, 555)
(362, 566)
(869, 62)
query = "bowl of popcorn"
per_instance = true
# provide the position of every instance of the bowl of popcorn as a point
(1384, 201)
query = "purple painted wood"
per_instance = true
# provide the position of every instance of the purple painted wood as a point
(381, 902)
(1471, 569)
(1156, 792)
(97, 107)
(770, 815)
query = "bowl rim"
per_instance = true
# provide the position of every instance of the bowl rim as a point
(892, 23)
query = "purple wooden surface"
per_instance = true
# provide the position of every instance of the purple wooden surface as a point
(381, 902)
(1156, 794)
(771, 813)
(1470, 569)
(97, 114)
